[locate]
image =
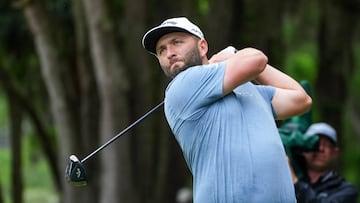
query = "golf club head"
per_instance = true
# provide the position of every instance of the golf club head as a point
(75, 173)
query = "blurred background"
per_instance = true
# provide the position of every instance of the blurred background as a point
(74, 73)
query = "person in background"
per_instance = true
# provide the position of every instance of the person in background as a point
(223, 122)
(322, 183)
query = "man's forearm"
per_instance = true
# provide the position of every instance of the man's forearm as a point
(290, 98)
(274, 77)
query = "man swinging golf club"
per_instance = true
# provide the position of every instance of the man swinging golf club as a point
(225, 124)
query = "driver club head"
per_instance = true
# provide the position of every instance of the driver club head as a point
(75, 173)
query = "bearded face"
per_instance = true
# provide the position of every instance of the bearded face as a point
(192, 58)
(324, 158)
(178, 51)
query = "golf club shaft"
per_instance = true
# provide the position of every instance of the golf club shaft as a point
(122, 132)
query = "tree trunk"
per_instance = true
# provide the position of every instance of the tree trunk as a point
(113, 84)
(218, 28)
(1, 193)
(47, 145)
(54, 73)
(336, 64)
(140, 99)
(89, 108)
(15, 112)
(15, 115)
(263, 28)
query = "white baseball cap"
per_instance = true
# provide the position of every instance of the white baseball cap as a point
(322, 129)
(180, 24)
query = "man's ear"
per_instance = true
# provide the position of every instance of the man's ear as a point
(203, 47)
(336, 151)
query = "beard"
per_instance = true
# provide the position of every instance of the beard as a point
(192, 58)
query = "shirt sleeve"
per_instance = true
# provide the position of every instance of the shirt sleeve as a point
(267, 92)
(195, 88)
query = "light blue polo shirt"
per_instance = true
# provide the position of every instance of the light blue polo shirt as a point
(230, 143)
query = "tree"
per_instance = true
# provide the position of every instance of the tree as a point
(113, 85)
(15, 74)
(61, 89)
(336, 65)
(15, 115)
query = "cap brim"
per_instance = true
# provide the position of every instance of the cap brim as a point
(152, 36)
(328, 137)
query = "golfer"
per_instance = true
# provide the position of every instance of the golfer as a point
(222, 112)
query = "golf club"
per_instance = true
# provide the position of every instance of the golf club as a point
(75, 172)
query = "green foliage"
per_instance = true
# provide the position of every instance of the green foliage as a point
(302, 63)
(354, 83)
(13, 28)
(17, 54)
(38, 186)
(61, 11)
(36, 170)
(351, 154)
(3, 112)
(288, 31)
(351, 149)
(300, 31)
(5, 172)
(18, 58)
(203, 7)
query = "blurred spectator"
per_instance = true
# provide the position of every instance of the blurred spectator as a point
(321, 182)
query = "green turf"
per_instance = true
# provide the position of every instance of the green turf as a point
(38, 186)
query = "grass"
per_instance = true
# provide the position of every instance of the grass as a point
(38, 186)
(37, 180)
